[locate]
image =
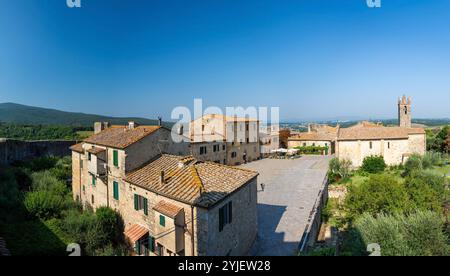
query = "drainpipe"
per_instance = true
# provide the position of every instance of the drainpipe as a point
(192, 231)
(107, 178)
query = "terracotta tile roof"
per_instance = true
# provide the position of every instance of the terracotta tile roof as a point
(189, 181)
(313, 136)
(95, 150)
(120, 136)
(366, 124)
(78, 148)
(416, 130)
(167, 209)
(373, 133)
(136, 232)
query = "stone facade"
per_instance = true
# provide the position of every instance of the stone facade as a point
(210, 151)
(394, 144)
(237, 237)
(393, 151)
(98, 181)
(269, 138)
(241, 136)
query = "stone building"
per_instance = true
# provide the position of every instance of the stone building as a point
(365, 139)
(269, 139)
(170, 204)
(240, 135)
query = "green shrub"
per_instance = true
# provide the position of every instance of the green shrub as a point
(9, 190)
(46, 181)
(373, 164)
(413, 164)
(339, 169)
(419, 234)
(381, 193)
(312, 150)
(110, 223)
(43, 204)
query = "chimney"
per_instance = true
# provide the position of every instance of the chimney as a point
(100, 126)
(162, 178)
(159, 121)
(132, 125)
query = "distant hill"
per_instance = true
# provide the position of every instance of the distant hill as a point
(30, 115)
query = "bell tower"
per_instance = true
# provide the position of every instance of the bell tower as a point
(404, 112)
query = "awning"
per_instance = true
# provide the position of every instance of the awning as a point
(167, 209)
(136, 232)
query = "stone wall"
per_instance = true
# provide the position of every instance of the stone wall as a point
(218, 156)
(237, 237)
(315, 220)
(16, 150)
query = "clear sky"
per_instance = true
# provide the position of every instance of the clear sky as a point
(312, 58)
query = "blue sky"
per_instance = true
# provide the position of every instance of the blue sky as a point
(312, 58)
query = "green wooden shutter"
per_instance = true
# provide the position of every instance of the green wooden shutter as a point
(93, 180)
(221, 216)
(230, 212)
(151, 244)
(116, 190)
(136, 202)
(116, 158)
(145, 206)
(162, 220)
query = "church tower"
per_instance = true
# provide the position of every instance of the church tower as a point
(404, 112)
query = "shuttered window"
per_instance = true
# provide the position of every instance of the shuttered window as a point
(145, 206)
(141, 203)
(116, 158)
(136, 202)
(93, 181)
(225, 215)
(162, 220)
(116, 190)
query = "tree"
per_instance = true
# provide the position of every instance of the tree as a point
(43, 204)
(413, 164)
(447, 144)
(381, 193)
(373, 164)
(339, 169)
(417, 234)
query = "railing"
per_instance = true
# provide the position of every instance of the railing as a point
(314, 220)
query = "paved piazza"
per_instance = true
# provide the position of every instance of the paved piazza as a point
(291, 189)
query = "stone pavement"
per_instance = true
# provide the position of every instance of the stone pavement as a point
(291, 189)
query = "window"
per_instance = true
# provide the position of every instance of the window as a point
(94, 180)
(389, 145)
(140, 203)
(116, 158)
(223, 147)
(203, 150)
(203, 128)
(84, 189)
(314, 144)
(89, 156)
(371, 145)
(304, 144)
(216, 148)
(116, 190)
(225, 215)
(248, 140)
(162, 220)
(247, 128)
(233, 154)
(92, 199)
